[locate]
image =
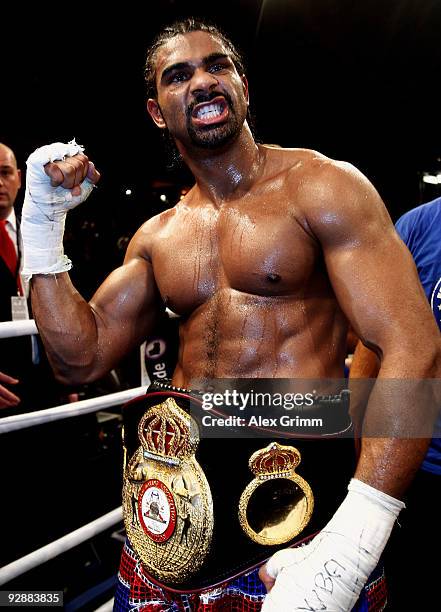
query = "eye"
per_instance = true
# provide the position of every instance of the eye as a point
(217, 67)
(178, 77)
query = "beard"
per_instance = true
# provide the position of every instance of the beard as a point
(213, 136)
(209, 137)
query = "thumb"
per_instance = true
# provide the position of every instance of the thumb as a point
(92, 173)
(267, 580)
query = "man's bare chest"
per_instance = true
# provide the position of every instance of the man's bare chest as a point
(254, 247)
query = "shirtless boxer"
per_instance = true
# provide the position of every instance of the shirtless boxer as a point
(266, 259)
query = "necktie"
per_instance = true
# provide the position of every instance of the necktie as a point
(8, 252)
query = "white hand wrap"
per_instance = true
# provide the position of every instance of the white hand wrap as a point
(329, 572)
(44, 212)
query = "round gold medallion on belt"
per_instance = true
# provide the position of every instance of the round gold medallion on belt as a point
(277, 505)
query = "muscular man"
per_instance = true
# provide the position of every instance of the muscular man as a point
(266, 259)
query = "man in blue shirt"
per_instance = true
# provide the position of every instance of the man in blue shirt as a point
(420, 230)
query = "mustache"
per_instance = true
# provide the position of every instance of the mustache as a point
(202, 97)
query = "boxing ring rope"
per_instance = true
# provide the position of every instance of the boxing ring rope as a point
(106, 607)
(27, 327)
(8, 572)
(55, 548)
(64, 411)
(12, 329)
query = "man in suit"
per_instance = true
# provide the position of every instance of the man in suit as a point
(25, 377)
(10, 183)
(27, 384)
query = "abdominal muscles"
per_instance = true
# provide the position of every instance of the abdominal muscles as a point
(238, 335)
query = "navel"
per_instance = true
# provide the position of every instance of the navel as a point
(273, 278)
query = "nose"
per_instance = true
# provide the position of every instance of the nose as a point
(203, 81)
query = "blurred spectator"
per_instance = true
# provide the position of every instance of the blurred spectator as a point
(7, 398)
(22, 362)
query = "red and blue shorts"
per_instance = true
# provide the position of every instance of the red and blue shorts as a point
(136, 591)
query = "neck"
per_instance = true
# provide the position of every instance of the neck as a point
(226, 172)
(4, 213)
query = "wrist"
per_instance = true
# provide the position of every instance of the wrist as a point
(381, 499)
(42, 237)
(364, 522)
(359, 529)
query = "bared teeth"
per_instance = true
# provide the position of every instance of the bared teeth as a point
(209, 111)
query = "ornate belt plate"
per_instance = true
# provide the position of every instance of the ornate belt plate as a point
(277, 505)
(167, 503)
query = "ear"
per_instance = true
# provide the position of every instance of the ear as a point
(245, 87)
(19, 177)
(155, 113)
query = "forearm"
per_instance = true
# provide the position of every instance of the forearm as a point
(83, 340)
(66, 322)
(398, 423)
(389, 464)
(68, 329)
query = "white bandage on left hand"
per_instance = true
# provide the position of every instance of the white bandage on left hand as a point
(44, 212)
(329, 572)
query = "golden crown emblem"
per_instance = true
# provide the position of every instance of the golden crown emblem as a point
(167, 503)
(167, 431)
(274, 461)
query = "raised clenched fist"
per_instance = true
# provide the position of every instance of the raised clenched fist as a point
(71, 172)
(59, 177)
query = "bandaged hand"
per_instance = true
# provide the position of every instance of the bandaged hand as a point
(59, 177)
(330, 571)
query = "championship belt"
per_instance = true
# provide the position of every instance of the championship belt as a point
(167, 504)
(198, 522)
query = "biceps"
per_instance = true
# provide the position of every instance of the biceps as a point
(377, 286)
(127, 306)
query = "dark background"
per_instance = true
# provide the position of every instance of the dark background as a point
(357, 81)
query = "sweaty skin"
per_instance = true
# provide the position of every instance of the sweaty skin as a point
(266, 259)
(249, 279)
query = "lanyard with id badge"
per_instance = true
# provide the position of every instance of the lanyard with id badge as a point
(20, 312)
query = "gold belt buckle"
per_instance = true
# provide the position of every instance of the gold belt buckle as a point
(167, 503)
(277, 505)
